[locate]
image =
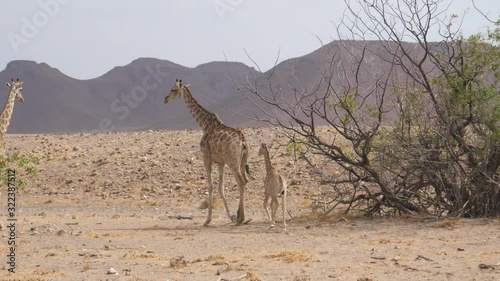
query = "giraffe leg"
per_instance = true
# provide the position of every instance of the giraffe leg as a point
(221, 191)
(266, 207)
(283, 206)
(274, 207)
(283, 199)
(208, 168)
(240, 215)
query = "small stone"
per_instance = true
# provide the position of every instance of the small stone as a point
(112, 271)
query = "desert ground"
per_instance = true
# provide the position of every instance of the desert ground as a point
(131, 206)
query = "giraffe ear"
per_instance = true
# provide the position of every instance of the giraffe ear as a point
(187, 86)
(8, 84)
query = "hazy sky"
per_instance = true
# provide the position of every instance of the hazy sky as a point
(86, 38)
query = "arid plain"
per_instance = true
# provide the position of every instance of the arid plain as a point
(130, 206)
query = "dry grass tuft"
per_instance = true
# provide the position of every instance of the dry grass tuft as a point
(46, 271)
(289, 256)
(217, 203)
(216, 258)
(54, 201)
(305, 204)
(86, 267)
(448, 223)
(331, 217)
(92, 233)
(178, 262)
(251, 277)
(46, 202)
(149, 202)
(384, 241)
(144, 256)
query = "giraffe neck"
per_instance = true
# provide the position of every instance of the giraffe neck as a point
(206, 119)
(7, 113)
(267, 159)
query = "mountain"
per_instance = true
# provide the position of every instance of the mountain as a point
(126, 98)
(131, 97)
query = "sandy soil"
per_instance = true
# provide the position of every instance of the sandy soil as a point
(130, 203)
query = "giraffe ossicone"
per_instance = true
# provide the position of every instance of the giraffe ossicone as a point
(219, 144)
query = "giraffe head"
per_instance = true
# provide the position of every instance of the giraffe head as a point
(263, 149)
(177, 91)
(17, 88)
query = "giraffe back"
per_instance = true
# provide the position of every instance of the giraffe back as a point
(225, 145)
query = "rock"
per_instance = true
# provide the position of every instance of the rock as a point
(112, 271)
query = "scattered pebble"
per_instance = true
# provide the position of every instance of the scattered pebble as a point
(112, 271)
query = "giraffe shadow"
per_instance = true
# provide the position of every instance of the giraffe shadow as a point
(255, 227)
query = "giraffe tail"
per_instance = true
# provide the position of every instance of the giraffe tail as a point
(245, 169)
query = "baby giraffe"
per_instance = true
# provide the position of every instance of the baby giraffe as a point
(274, 186)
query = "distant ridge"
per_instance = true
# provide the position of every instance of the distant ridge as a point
(130, 97)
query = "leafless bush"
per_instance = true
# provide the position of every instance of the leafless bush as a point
(422, 119)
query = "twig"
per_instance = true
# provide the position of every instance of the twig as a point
(238, 278)
(179, 217)
(420, 257)
(488, 266)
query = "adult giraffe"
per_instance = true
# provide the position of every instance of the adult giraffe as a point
(15, 92)
(219, 144)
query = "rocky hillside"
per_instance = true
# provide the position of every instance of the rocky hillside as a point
(131, 97)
